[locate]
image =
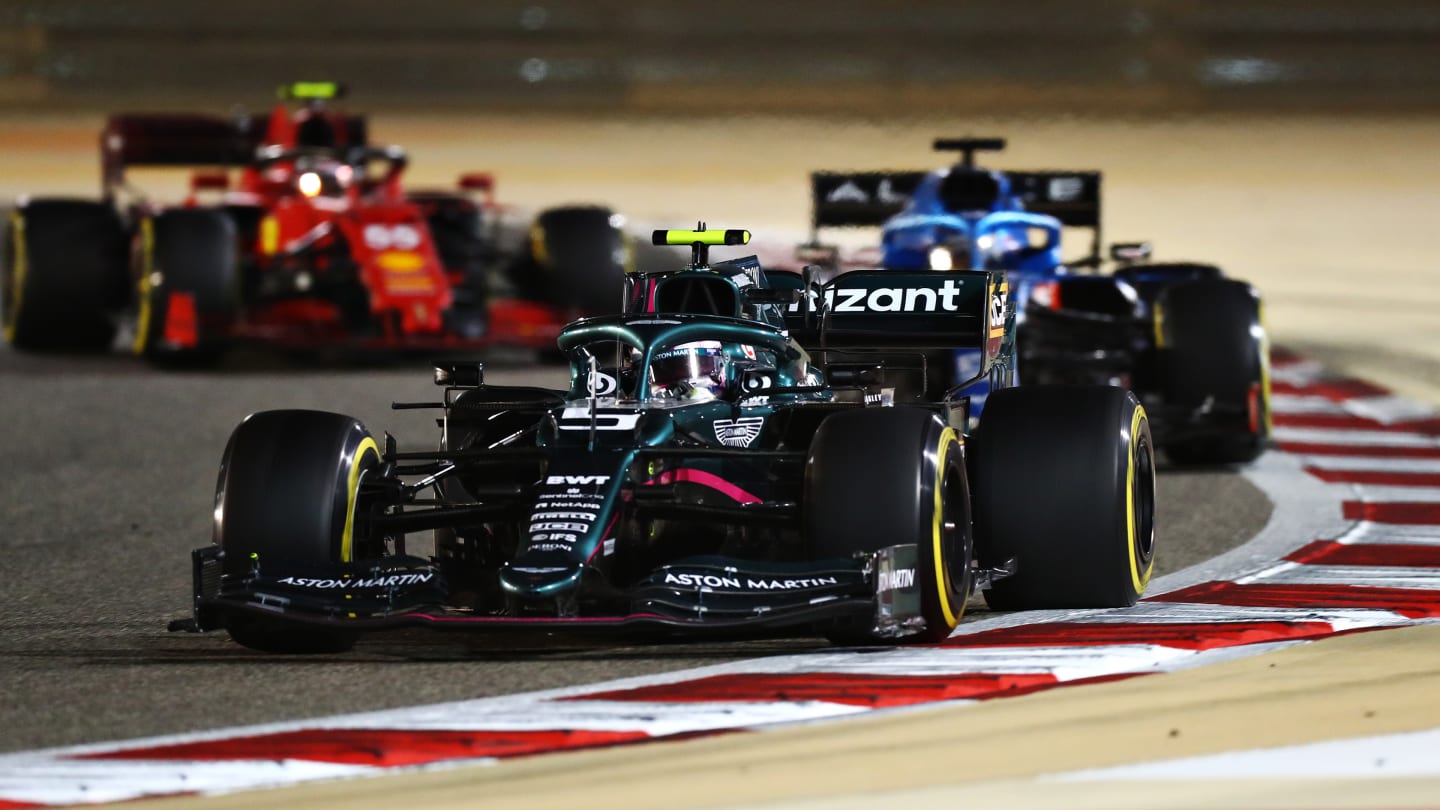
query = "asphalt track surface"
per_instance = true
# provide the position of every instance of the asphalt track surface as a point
(110, 472)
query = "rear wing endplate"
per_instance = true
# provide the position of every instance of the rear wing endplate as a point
(1073, 197)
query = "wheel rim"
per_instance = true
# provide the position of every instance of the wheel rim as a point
(146, 319)
(951, 522)
(357, 471)
(1143, 493)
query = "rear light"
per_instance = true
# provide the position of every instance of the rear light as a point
(1252, 407)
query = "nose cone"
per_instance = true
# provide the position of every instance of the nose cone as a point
(539, 580)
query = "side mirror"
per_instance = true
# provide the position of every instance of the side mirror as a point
(1131, 252)
(460, 374)
(816, 253)
(757, 380)
(854, 374)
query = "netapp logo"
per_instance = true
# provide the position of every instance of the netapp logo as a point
(575, 480)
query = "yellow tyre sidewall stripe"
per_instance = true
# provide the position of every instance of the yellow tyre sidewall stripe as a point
(147, 269)
(537, 243)
(352, 492)
(15, 296)
(1137, 579)
(1269, 424)
(942, 585)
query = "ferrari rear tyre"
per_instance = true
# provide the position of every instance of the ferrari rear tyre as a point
(878, 477)
(1213, 354)
(63, 278)
(576, 259)
(290, 491)
(188, 285)
(1064, 489)
(457, 229)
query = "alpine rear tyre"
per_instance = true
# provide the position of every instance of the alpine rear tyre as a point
(1213, 355)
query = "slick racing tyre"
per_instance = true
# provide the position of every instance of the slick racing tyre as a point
(877, 477)
(1213, 356)
(576, 259)
(1064, 486)
(457, 228)
(289, 491)
(188, 285)
(63, 278)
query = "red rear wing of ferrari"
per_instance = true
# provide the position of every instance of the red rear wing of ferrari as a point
(166, 139)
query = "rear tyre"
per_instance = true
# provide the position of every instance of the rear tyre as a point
(189, 285)
(1213, 350)
(457, 227)
(63, 278)
(289, 491)
(1064, 485)
(878, 477)
(576, 259)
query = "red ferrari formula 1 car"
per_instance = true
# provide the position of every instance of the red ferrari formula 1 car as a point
(297, 233)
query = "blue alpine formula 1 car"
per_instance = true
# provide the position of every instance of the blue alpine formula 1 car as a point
(707, 469)
(1185, 338)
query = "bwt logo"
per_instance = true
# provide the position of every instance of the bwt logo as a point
(893, 299)
(575, 480)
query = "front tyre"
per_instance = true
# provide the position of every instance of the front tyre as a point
(878, 477)
(289, 491)
(1064, 486)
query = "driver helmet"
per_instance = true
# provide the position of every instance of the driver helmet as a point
(695, 371)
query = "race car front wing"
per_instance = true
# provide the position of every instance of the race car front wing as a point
(696, 595)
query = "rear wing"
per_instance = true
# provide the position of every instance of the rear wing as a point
(185, 139)
(891, 310)
(1073, 197)
(174, 140)
(859, 199)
